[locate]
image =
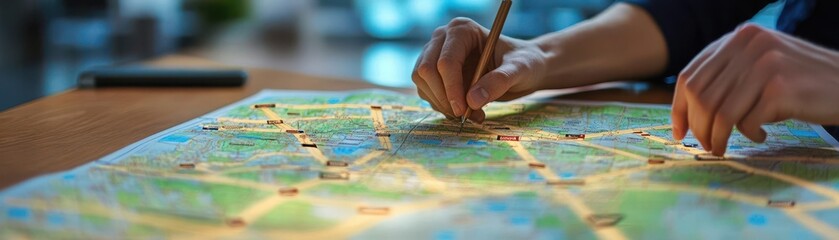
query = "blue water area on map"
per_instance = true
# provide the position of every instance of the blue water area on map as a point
(55, 219)
(519, 220)
(476, 142)
(18, 213)
(757, 220)
(444, 235)
(175, 139)
(535, 177)
(734, 147)
(333, 100)
(831, 216)
(497, 206)
(343, 151)
(566, 175)
(714, 185)
(431, 141)
(69, 176)
(804, 133)
(425, 104)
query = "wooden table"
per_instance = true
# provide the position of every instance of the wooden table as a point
(63, 131)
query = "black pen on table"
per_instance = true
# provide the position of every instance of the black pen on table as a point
(161, 77)
(488, 51)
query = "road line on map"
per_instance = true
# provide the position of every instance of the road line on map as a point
(264, 206)
(348, 106)
(315, 152)
(581, 210)
(627, 131)
(368, 157)
(547, 173)
(380, 127)
(574, 203)
(816, 206)
(813, 187)
(427, 179)
(809, 222)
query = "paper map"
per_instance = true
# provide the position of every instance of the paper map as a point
(380, 165)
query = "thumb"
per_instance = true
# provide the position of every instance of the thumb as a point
(493, 85)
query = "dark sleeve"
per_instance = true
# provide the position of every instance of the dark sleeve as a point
(690, 25)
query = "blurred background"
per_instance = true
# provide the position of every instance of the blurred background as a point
(45, 44)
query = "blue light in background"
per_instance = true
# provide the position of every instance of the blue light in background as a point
(565, 17)
(472, 5)
(426, 12)
(768, 16)
(389, 64)
(385, 18)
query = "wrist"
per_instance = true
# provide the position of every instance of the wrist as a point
(550, 52)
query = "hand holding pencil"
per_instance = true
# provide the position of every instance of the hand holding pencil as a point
(445, 73)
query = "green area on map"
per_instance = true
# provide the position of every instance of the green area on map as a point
(374, 164)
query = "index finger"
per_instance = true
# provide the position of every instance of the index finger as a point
(463, 36)
(679, 112)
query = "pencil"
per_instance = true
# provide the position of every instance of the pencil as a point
(488, 51)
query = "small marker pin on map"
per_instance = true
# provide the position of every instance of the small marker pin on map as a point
(374, 210)
(690, 145)
(187, 165)
(604, 220)
(288, 192)
(655, 161)
(266, 105)
(780, 203)
(575, 136)
(236, 222)
(536, 165)
(333, 163)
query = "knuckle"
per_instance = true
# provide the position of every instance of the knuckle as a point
(460, 21)
(426, 70)
(765, 38)
(681, 79)
(415, 77)
(439, 31)
(501, 74)
(684, 75)
(447, 64)
(769, 60)
(692, 86)
(749, 29)
(521, 64)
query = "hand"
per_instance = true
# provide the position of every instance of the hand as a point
(754, 76)
(447, 64)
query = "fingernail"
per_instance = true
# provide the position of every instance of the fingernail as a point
(456, 107)
(480, 96)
